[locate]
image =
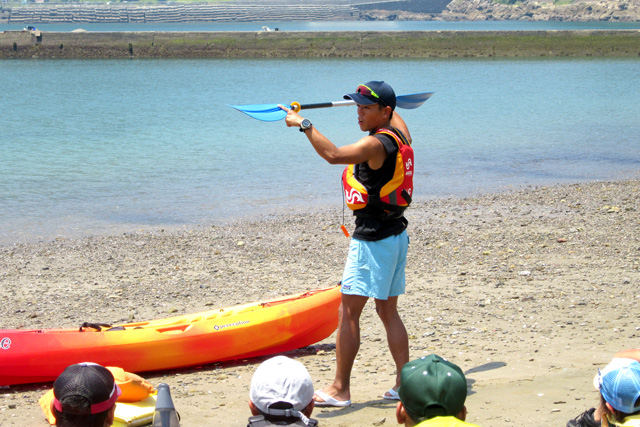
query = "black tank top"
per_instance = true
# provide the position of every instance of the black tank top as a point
(371, 228)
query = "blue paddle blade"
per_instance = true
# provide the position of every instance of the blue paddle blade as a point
(264, 112)
(413, 100)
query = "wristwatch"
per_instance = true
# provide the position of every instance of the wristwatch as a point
(305, 124)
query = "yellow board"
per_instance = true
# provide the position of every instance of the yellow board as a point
(135, 414)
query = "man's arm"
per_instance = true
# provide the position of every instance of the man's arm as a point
(368, 149)
(629, 354)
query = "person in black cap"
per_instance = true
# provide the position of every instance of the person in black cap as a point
(377, 186)
(85, 396)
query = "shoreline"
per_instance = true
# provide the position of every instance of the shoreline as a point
(344, 44)
(331, 208)
(528, 290)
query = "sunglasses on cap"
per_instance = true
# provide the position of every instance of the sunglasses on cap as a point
(365, 90)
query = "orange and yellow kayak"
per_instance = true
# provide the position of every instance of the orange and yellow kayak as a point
(248, 330)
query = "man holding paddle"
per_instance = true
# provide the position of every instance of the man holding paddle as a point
(378, 187)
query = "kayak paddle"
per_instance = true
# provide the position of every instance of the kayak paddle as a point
(272, 113)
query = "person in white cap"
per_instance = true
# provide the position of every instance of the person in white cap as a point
(281, 394)
(619, 387)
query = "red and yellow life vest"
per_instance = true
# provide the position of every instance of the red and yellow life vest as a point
(396, 194)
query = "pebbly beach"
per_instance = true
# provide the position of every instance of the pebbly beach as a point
(529, 291)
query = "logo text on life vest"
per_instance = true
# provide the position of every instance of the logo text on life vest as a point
(5, 343)
(408, 165)
(353, 196)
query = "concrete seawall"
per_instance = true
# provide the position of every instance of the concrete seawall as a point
(281, 44)
(215, 12)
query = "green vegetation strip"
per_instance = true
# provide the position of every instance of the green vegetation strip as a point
(414, 44)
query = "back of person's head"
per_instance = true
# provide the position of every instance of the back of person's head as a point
(84, 396)
(619, 385)
(281, 389)
(431, 387)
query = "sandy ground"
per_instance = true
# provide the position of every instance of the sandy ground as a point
(528, 291)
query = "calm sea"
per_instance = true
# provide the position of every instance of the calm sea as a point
(336, 26)
(106, 146)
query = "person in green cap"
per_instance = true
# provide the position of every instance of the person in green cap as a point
(432, 394)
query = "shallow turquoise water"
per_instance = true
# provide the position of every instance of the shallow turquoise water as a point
(94, 146)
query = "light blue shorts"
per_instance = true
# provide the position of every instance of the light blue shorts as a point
(376, 269)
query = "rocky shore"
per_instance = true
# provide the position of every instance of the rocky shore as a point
(529, 291)
(525, 10)
(544, 10)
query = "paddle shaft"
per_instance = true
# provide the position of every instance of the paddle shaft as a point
(403, 101)
(297, 107)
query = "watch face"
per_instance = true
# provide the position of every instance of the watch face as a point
(305, 124)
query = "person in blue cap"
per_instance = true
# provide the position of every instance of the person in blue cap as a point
(619, 386)
(378, 187)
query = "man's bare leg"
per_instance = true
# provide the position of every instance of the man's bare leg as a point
(397, 337)
(347, 345)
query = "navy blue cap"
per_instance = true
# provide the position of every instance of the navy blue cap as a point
(374, 93)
